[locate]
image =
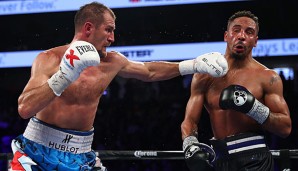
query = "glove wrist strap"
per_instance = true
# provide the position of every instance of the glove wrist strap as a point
(186, 67)
(259, 112)
(189, 141)
(58, 83)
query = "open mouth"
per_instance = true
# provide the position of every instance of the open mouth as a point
(239, 48)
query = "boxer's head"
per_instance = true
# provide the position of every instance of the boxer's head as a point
(93, 13)
(242, 34)
(95, 23)
(247, 14)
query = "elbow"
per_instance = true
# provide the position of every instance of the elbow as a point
(286, 131)
(23, 108)
(24, 111)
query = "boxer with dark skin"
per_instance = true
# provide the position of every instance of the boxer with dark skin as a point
(66, 84)
(264, 108)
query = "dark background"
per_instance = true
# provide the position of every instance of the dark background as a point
(136, 115)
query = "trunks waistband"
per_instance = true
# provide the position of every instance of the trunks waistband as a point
(60, 139)
(239, 144)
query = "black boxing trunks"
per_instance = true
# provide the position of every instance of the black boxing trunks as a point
(242, 152)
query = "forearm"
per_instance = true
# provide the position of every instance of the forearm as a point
(32, 101)
(162, 70)
(188, 129)
(279, 124)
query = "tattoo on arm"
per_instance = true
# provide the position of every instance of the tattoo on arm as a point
(274, 79)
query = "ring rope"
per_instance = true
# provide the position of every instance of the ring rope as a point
(160, 155)
(171, 155)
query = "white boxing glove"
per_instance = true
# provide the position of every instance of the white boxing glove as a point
(213, 63)
(76, 58)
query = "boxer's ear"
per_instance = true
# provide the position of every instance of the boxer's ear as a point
(88, 28)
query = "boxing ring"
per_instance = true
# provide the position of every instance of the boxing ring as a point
(284, 156)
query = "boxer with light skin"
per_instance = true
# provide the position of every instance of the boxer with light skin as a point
(65, 87)
(242, 105)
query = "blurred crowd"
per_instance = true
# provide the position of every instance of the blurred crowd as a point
(136, 115)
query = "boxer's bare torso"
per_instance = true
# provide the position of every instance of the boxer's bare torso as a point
(255, 77)
(76, 108)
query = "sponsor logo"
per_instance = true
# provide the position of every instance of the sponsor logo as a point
(72, 57)
(67, 138)
(85, 48)
(140, 154)
(62, 146)
(211, 66)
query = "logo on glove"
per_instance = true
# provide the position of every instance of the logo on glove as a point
(211, 66)
(72, 57)
(240, 97)
(191, 151)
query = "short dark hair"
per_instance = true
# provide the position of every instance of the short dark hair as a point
(244, 14)
(92, 12)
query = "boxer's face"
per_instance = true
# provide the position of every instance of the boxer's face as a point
(241, 37)
(104, 34)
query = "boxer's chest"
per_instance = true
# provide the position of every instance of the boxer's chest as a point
(243, 78)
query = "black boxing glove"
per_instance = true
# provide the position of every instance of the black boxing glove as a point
(238, 98)
(198, 156)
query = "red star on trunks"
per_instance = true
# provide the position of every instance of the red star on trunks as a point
(72, 57)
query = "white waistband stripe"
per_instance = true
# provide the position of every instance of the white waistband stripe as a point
(56, 139)
(245, 140)
(246, 148)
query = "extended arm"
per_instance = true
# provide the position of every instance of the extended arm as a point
(213, 63)
(150, 71)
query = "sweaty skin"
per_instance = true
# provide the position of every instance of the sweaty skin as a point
(76, 107)
(263, 83)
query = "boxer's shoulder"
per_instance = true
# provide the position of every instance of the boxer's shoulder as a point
(53, 53)
(116, 57)
(203, 80)
(115, 54)
(262, 75)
